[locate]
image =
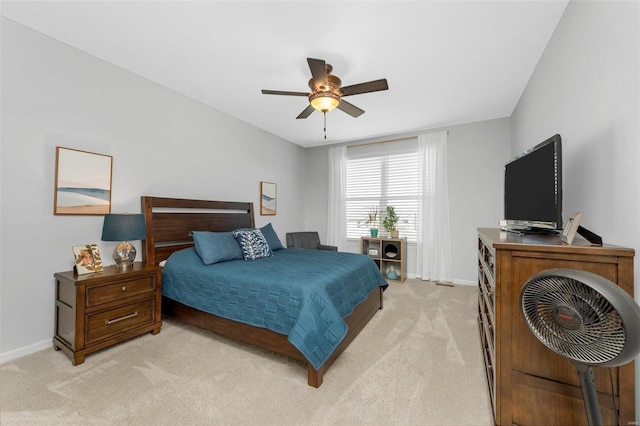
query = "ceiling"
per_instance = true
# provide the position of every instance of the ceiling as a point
(446, 62)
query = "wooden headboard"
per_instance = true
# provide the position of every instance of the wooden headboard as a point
(170, 220)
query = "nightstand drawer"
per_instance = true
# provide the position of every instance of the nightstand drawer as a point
(106, 293)
(105, 324)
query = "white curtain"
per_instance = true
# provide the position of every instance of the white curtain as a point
(434, 239)
(337, 211)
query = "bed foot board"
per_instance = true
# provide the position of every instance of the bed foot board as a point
(272, 341)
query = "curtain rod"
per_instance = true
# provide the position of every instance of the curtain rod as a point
(406, 138)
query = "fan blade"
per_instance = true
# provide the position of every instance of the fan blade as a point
(278, 92)
(370, 86)
(307, 112)
(318, 69)
(350, 109)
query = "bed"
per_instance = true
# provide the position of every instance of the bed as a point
(169, 222)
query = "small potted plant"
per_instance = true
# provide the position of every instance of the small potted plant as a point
(390, 221)
(372, 221)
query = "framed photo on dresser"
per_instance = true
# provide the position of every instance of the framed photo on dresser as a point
(571, 228)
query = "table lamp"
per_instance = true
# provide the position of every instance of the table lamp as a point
(124, 227)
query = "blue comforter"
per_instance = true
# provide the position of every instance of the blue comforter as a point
(304, 294)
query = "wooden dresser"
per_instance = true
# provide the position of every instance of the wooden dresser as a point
(528, 383)
(95, 311)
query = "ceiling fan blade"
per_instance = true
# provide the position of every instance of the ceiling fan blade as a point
(370, 86)
(307, 112)
(279, 92)
(318, 69)
(350, 109)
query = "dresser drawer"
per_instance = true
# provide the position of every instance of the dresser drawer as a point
(109, 292)
(104, 324)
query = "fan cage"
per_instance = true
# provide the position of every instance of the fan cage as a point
(600, 336)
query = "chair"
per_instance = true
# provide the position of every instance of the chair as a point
(307, 240)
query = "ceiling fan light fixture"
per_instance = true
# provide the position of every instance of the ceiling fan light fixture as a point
(324, 101)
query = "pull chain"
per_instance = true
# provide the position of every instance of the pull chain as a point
(325, 124)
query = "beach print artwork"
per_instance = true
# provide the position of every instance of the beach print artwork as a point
(267, 198)
(83, 182)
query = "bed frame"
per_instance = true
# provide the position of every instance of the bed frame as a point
(168, 223)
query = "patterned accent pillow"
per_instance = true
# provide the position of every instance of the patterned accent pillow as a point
(252, 243)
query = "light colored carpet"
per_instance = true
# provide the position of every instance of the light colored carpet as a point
(418, 362)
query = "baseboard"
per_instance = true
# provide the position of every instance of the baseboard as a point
(465, 282)
(455, 281)
(25, 350)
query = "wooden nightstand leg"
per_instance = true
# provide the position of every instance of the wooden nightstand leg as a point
(77, 359)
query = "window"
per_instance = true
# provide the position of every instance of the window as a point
(376, 180)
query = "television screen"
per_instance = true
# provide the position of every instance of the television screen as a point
(533, 188)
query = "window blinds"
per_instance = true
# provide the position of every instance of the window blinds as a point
(375, 180)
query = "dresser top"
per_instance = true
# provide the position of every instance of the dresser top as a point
(534, 242)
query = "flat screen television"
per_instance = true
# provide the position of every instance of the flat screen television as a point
(533, 189)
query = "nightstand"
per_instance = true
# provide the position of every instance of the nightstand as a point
(95, 311)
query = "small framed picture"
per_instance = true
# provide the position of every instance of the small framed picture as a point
(571, 227)
(373, 252)
(87, 259)
(268, 198)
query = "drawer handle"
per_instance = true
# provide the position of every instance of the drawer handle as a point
(113, 321)
(124, 288)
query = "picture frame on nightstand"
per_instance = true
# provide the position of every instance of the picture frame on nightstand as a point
(87, 259)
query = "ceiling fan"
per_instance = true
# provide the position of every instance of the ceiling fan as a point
(326, 91)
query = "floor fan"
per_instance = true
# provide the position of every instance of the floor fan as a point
(584, 318)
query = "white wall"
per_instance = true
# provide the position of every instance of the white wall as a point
(162, 144)
(587, 88)
(476, 153)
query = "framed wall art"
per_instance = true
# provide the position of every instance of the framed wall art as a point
(83, 183)
(268, 192)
